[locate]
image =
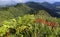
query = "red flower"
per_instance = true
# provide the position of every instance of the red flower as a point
(39, 20)
(52, 24)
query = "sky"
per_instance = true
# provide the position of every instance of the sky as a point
(50, 1)
(9, 2)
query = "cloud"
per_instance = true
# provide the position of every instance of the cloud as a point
(9, 2)
(13, 2)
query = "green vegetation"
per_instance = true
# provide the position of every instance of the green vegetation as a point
(23, 21)
(13, 12)
(26, 27)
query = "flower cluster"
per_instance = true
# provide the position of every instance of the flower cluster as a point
(39, 20)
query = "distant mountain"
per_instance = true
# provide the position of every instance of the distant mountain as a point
(57, 8)
(56, 3)
(34, 5)
(40, 6)
(50, 8)
(48, 5)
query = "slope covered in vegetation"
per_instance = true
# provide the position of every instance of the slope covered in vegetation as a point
(7, 13)
(30, 26)
(23, 21)
(13, 12)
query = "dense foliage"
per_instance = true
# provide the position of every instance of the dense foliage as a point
(29, 26)
(23, 21)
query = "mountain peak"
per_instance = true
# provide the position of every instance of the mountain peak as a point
(56, 3)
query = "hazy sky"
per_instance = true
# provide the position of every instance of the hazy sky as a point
(42, 0)
(5, 2)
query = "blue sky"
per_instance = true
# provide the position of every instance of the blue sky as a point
(5, 2)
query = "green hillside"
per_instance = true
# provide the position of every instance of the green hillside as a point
(13, 12)
(23, 21)
(7, 13)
